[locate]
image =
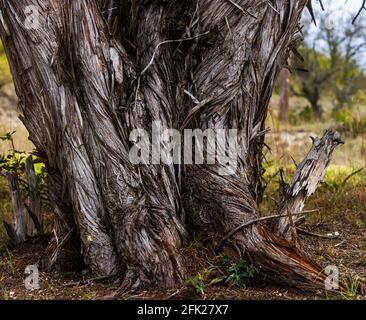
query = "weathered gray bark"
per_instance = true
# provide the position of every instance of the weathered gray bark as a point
(91, 74)
(26, 209)
(18, 232)
(33, 205)
(304, 183)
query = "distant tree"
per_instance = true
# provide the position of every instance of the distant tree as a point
(332, 58)
(345, 45)
(312, 83)
(285, 86)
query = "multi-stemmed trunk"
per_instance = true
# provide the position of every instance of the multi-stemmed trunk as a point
(88, 72)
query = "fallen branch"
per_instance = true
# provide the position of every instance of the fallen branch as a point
(254, 221)
(351, 175)
(340, 243)
(248, 224)
(316, 235)
(89, 281)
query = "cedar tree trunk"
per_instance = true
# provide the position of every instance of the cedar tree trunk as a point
(88, 72)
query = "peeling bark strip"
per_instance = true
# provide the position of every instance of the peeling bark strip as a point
(92, 71)
(305, 181)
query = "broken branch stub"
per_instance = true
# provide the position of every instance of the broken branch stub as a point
(19, 232)
(33, 205)
(305, 181)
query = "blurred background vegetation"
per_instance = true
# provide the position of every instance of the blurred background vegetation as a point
(322, 86)
(9, 112)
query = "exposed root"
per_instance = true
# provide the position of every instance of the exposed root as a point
(280, 261)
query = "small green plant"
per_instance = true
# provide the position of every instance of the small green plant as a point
(203, 280)
(13, 161)
(223, 258)
(239, 272)
(9, 136)
(236, 273)
(352, 285)
(195, 244)
(198, 282)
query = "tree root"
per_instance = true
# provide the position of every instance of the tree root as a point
(280, 261)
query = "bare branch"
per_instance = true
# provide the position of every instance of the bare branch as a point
(363, 7)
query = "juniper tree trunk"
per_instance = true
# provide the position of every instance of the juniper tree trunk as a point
(89, 72)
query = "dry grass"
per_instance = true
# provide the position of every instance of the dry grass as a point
(10, 122)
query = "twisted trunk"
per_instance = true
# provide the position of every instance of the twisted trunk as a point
(92, 71)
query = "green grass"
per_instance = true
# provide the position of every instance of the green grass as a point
(352, 286)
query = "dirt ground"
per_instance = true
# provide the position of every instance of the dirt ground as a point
(340, 213)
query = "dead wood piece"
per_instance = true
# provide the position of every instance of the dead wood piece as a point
(33, 205)
(305, 181)
(245, 225)
(90, 281)
(351, 175)
(316, 235)
(20, 227)
(34, 218)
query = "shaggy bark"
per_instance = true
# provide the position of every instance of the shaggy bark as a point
(33, 205)
(27, 212)
(95, 70)
(304, 183)
(18, 232)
